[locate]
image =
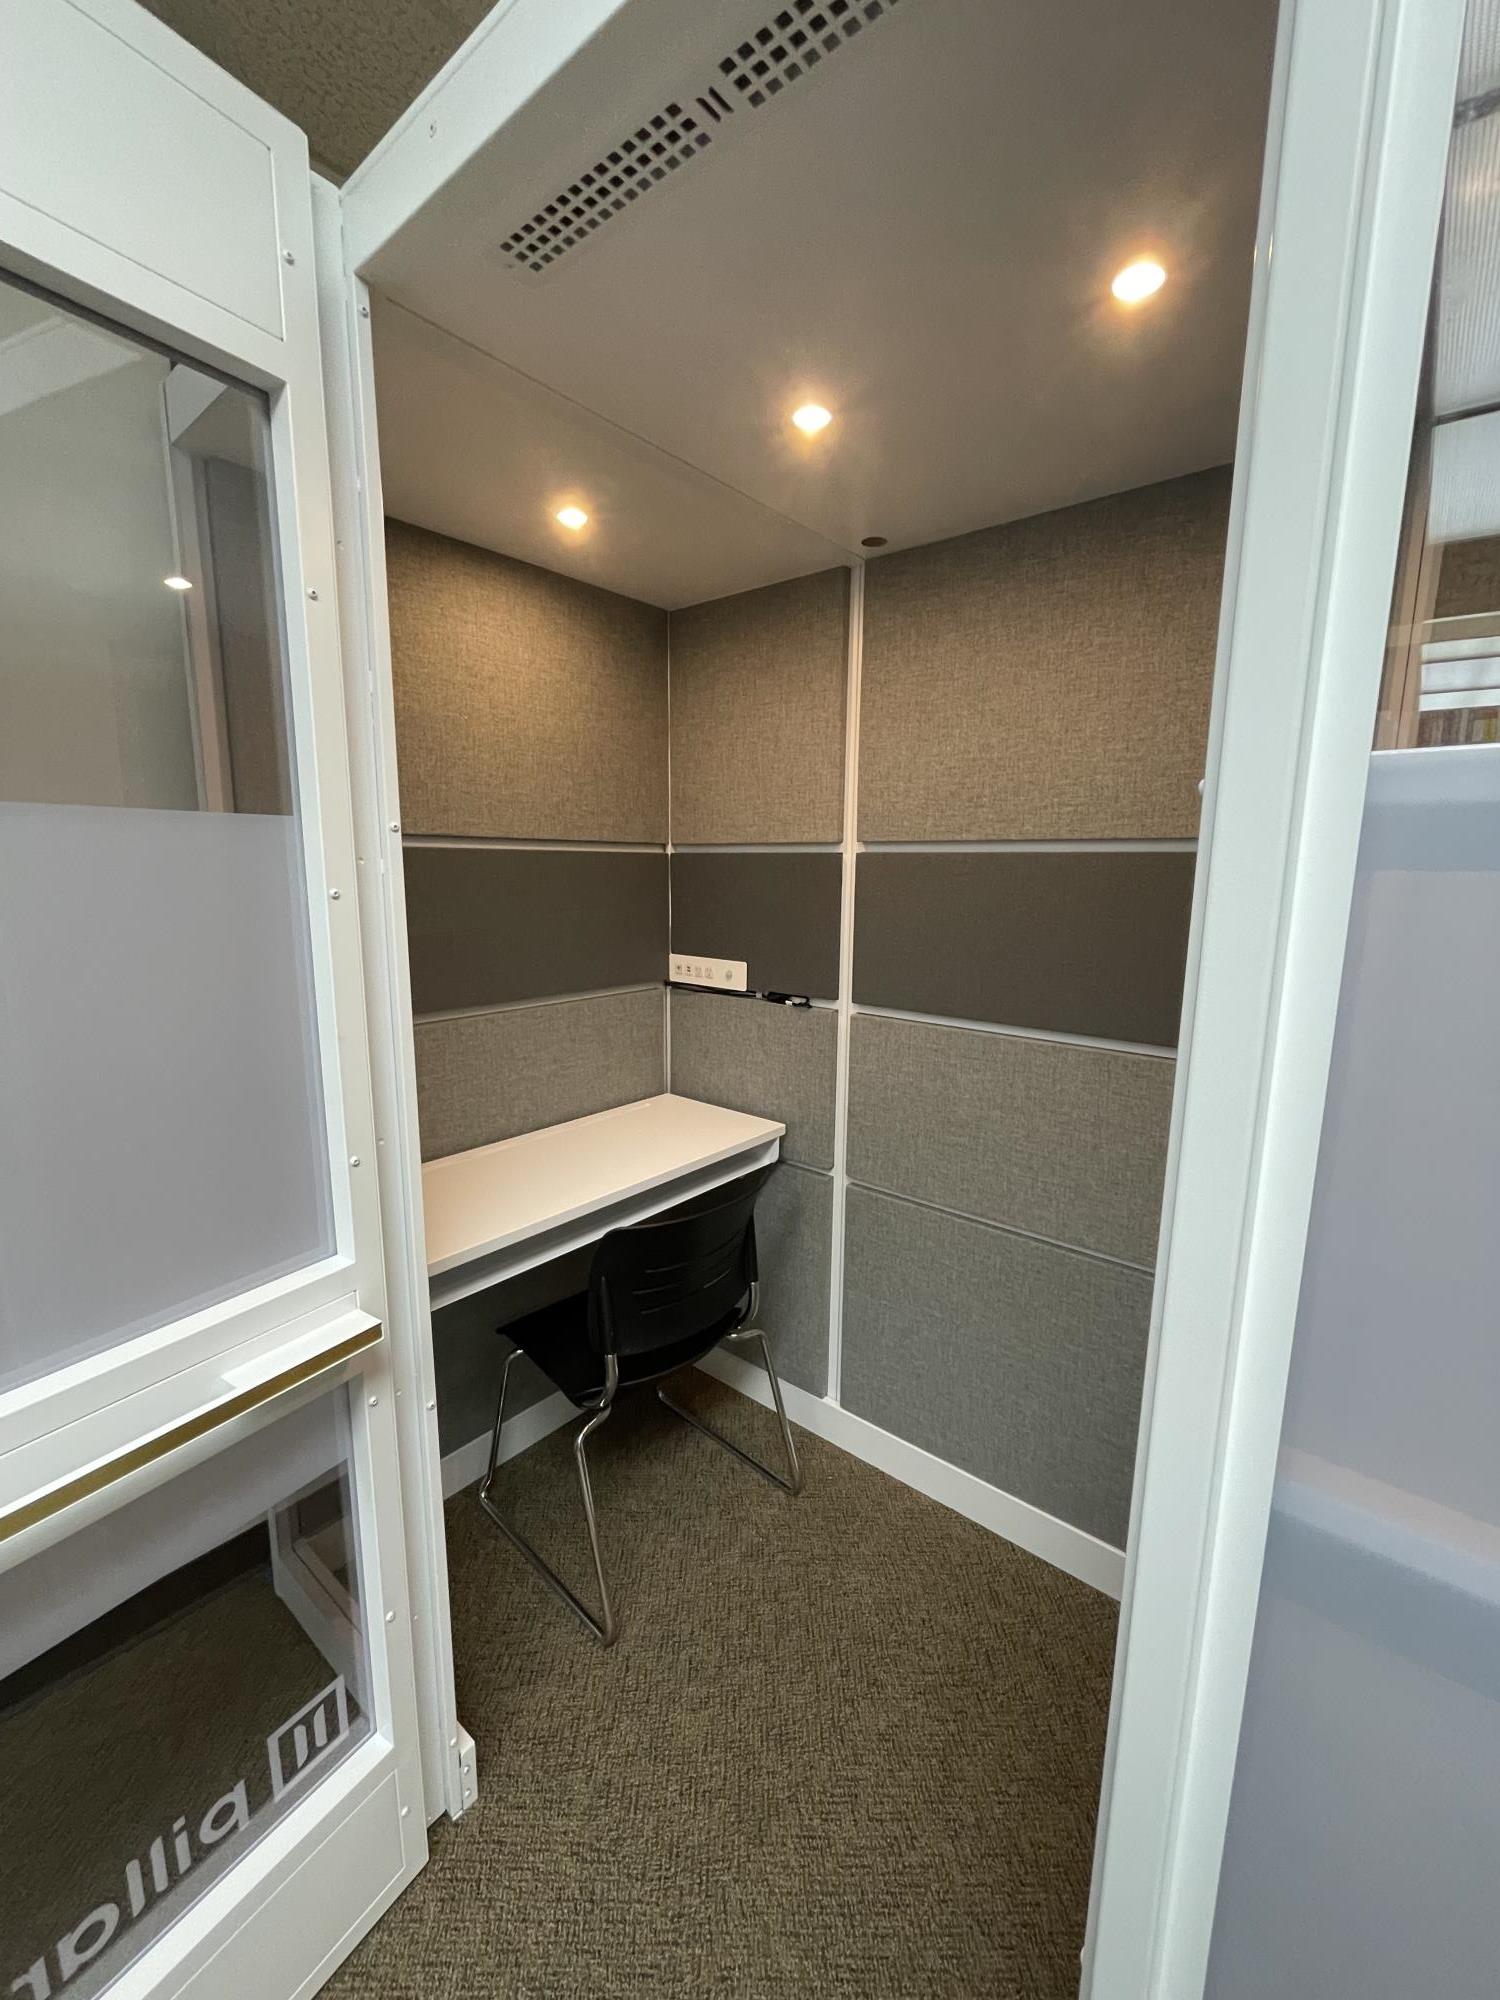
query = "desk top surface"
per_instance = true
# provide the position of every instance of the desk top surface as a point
(487, 1199)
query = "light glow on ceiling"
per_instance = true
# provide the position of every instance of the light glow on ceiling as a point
(812, 418)
(177, 583)
(573, 517)
(1138, 280)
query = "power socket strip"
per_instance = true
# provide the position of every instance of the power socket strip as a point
(728, 974)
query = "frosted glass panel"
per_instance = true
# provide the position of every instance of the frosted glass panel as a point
(161, 1122)
(1364, 1830)
(174, 1679)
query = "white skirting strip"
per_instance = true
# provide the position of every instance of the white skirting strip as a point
(1057, 1542)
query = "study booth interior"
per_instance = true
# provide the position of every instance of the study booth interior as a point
(803, 577)
(805, 445)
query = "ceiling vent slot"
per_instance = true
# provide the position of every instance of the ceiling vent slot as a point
(629, 170)
(801, 35)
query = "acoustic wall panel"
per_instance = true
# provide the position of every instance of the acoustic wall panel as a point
(775, 1062)
(1060, 1140)
(1017, 1361)
(528, 705)
(1088, 943)
(794, 1241)
(1049, 679)
(758, 713)
(468, 1354)
(482, 1077)
(488, 926)
(778, 912)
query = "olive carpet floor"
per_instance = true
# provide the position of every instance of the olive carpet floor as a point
(846, 1745)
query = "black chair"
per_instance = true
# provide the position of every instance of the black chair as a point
(660, 1295)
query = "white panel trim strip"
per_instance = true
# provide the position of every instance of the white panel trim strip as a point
(1000, 1228)
(541, 1000)
(845, 1006)
(1057, 1542)
(1186, 846)
(515, 845)
(758, 847)
(1155, 1049)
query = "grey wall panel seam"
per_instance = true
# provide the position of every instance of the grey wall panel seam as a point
(1157, 1051)
(1004, 1228)
(1188, 844)
(516, 844)
(758, 847)
(542, 1000)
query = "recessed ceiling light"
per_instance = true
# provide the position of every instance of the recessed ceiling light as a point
(874, 541)
(812, 418)
(176, 583)
(572, 517)
(1138, 281)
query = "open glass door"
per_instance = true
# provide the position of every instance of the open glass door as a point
(207, 1716)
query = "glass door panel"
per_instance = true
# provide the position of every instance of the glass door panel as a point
(174, 1678)
(1364, 1824)
(161, 1102)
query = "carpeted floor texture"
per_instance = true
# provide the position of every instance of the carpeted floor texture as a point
(846, 1745)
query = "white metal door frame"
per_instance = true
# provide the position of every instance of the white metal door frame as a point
(1362, 107)
(115, 136)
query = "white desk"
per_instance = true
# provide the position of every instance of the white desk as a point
(501, 1209)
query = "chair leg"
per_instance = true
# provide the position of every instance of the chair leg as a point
(603, 1627)
(789, 1482)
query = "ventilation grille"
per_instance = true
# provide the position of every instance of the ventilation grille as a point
(795, 42)
(802, 34)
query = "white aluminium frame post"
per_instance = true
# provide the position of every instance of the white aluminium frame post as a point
(1361, 110)
(448, 1770)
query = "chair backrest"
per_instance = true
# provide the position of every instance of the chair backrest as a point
(679, 1275)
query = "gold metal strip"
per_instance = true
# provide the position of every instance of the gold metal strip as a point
(29, 1512)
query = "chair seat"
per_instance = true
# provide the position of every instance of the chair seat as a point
(556, 1338)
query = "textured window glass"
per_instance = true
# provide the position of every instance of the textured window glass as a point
(174, 1678)
(161, 1116)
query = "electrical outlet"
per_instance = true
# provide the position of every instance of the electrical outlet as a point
(728, 974)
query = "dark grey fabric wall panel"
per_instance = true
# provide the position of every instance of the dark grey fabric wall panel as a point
(482, 1077)
(1019, 1362)
(778, 912)
(794, 1240)
(758, 713)
(1083, 944)
(1048, 679)
(467, 1354)
(491, 925)
(776, 1062)
(1050, 1137)
(528, 705)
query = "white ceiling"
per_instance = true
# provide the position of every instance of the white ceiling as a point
(920, 233)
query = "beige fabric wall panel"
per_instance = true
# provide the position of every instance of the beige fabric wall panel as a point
(1046, 680)
(487, 926)
(758, 713)
(482, 1077)
(1017, 1361)
(528, 706)
(774, 1062)
(1053, 1138)
(793, 1240)
(1091, 943)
